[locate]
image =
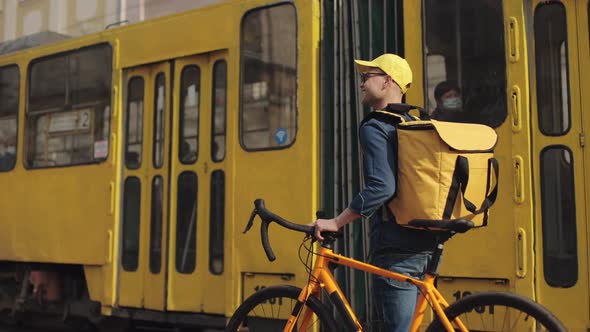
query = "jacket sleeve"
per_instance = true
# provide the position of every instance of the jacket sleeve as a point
(379, 162)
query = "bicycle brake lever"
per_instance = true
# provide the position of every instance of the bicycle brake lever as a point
(250, 221)
(313, 239)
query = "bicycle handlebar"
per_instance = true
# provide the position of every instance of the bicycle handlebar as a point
(267, 217)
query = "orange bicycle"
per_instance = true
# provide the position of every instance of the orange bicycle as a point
(288, 308)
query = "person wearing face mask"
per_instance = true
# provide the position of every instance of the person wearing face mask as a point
(449, 103)
(8, 156)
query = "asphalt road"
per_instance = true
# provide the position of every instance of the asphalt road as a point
(44, 329)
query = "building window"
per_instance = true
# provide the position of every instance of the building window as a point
(9, 95)
(68, 108)
(268, 89)
(552, 69)
(460, 36)
(219, 102)
(560, 249)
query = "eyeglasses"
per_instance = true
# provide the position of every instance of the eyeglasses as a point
(366, 75)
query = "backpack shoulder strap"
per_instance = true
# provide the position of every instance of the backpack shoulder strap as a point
(383, 116)
(402, 108)
(394, 114)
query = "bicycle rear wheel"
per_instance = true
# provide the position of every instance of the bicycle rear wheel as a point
(495, 311)
(269, 309)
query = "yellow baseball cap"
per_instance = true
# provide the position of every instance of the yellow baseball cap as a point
(394, 66)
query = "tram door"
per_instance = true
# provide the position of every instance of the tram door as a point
(174, 185)
(145, 154)
(560, 98)
(196, 265)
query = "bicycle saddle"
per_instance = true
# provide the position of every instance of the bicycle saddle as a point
(455, 225)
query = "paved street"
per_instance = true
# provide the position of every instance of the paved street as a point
(139, 329)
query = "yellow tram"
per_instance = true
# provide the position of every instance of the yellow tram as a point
(131, 157)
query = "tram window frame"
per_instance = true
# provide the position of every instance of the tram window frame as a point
(483, 90)
(219, 113)
(129, 163)
(131, 224)
(546, 90)
(156, 224)
(293, 128)
(159, 146)
(190, 248)
(217, 222)
(552, 228)
(77, 139)
(9, 114)
(189, 158)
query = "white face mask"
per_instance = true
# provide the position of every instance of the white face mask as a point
(452, 104)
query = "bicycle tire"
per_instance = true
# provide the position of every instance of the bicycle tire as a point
(479, 313)
(247, 318)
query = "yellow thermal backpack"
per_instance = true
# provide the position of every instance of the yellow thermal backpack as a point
(443, 170)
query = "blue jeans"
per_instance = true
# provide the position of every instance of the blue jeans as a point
(394, 301)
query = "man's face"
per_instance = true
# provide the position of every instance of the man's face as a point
(372, 85)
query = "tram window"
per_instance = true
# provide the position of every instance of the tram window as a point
(437, 72)
(219, 111)
(216, 236)
(131, 217)
(9, 92)
(159, 120)
(156, 225)
(460, 36)
(190, 94)
(268, 88)
(552, 69)
(560, 249)
(68, 108)
(186, 223)
(134, 123)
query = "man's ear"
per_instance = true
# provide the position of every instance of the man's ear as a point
(387, 82)
(390, 83)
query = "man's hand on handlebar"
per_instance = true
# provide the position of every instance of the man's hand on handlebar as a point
(315, 228)
(333, 225)
(323, 225)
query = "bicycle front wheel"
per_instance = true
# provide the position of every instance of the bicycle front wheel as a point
(495, 311)
(268, 310)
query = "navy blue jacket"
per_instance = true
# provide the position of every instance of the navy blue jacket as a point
(378, 141)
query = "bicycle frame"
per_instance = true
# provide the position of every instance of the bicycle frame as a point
(321, 277)
(528, 313)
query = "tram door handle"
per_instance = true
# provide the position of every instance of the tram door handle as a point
(516, 109)
(521, 253)
(513, 42)
(518, 179)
